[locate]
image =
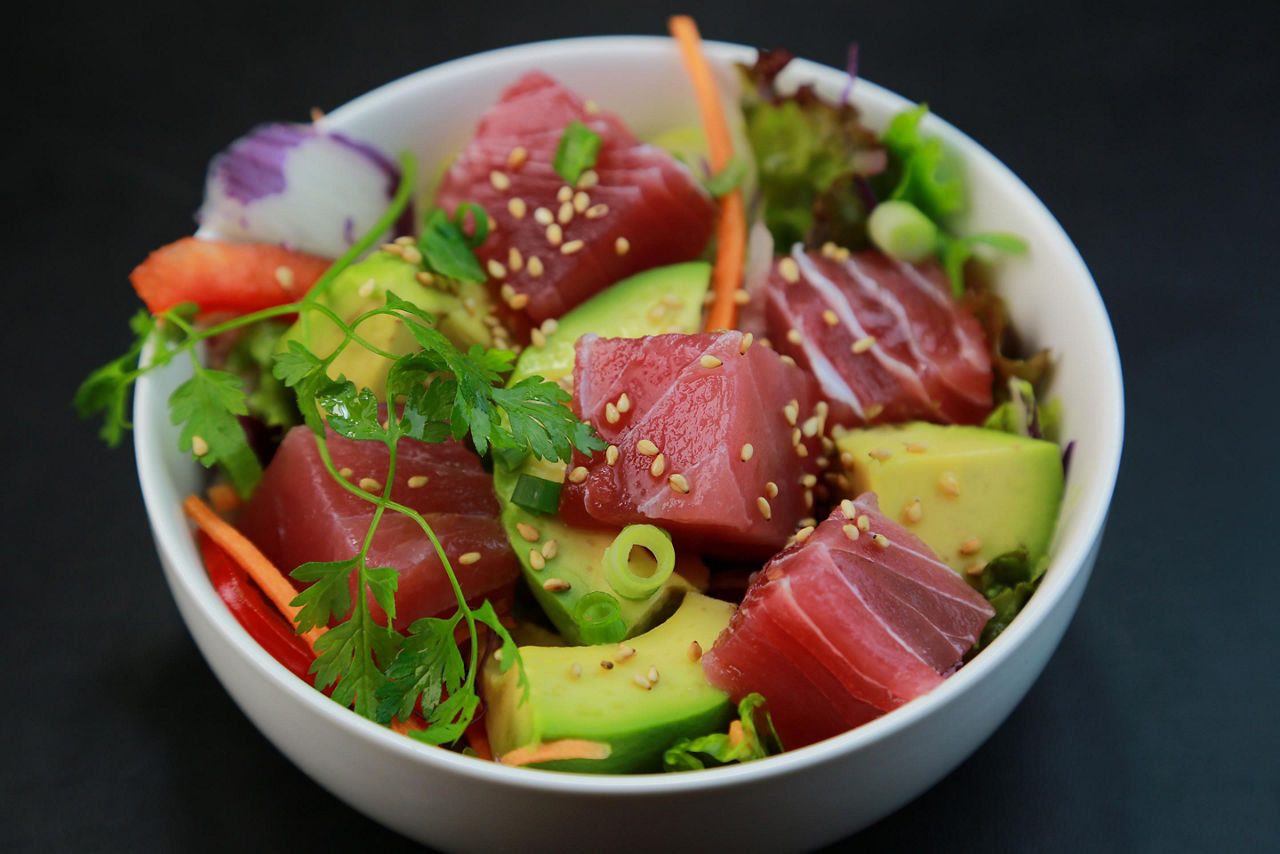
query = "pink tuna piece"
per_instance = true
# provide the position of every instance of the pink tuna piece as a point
(834, 631)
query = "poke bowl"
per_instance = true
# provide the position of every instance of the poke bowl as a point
(804, 797)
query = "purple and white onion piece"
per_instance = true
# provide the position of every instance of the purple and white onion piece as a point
(298, 186)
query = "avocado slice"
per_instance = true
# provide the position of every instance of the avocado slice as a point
(665, 299)
(970, 493)
(362, 287)
(572, 695)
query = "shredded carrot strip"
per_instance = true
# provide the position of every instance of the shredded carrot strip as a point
(252, 561)
(414, 724)
(731, 234)
(565, 748)
(223, 497)
(478, 738)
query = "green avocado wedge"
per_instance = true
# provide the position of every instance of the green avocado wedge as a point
(606, 697)
(562, 563)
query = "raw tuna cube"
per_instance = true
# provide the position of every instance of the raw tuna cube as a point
(855, 620)
(300, 514)
(717, 441)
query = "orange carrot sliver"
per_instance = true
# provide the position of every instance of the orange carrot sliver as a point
(731, 246)
(251, 560)
(549, 751)
(223, 497)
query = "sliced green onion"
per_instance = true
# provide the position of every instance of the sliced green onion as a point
(902, 231)
(617, 561)
(536, 493)
(579, 146)
(599, 618)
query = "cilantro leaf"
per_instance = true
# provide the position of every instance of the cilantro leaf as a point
(206, 406)
(328, 595)
(577, 151)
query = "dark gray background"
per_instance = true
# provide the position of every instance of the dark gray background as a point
(1150, 131)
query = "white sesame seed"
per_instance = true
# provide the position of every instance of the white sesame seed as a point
(518, 301)
(709, 361)
(515, 260)
(809, 481)
(542, 216)
(581, 201)
(369, 484)
(788, 360)
(741, 297)
(625, 653)
(789, 270)
(575, 671)
(597, 210)
(746, 453)
(828, 250)
(588, 178)
(658, 466)
(864, 344)
(517, 157)
(507, 292)
(527, 531)
(913, 511)
(418, 481)
(496, 270)
(537, 339)
(565, 215)
(499, 181)
(550, 325)
(611, 413)
(411, 254)
(679, 483)
(284, 275)
(791, 412)
(830, 318)
(199, 446)
(550, 549)
(948, 484)
(762, 504)
(653, 675)
(425, 278)
(880, 454)
(851, 531)
(555, 234)
(622, 246)
(810, 426)
(881, 540)
(624, 402)
(564, 194)
(771, 490)
(468, 558)
(847, 508)
(535, 266)
(971, 546)
(794, 336)
(917, 447)
(695, 651)
(804, 533)
(611, 454)
(366, 290)
(647, 447)
(864, 522)
(391, 248)
(579, 474)
(535, 560)
(639, 680)
(745, 344)
(346, 472)
(556, 585)
(517, 207)
(571, 247)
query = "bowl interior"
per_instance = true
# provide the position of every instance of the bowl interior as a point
(1049, 291)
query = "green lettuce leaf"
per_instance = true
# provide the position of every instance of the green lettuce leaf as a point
(754, 738)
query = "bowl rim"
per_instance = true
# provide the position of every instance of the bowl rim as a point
(1069, 560)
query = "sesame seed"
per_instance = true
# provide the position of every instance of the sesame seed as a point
(366, 290)
(842, 254)
(810, 426)
(611, 454)
(916, 447)
(556, 585)
(656, 312)
(746, 453)
(948, 484)
(847, 508)
(624, 653)
(550, 549)
(284, 275)
(507, 292)
(788, 360)
(745, 344)
(496, 270)
(846, 458)
(565, 215)
(658, 466)
(369, 484)
(653, 675)
(679, 483)
(346, 472)
(611, 413)
(468, 558)
(418, 481)
(804, 533)
(519, 301)
(695, 651)
(647, 447)
(864, 522)
(864, 344)
(497, 655)
(575, 671)
(391, 248)
(789, 270)
(555, 234)
(590, 107)
(809, 481)
(741, 297)
(596, 211)
(913, 512)
(880, 454)
(542, 216)
(403, 240)
(537, 339)
(588, 178)
(571, 247)
(791, 412)
(517, 207)
(411, 254)
(971, 546)
(535, 560)
(517, 157)
(639, 680)
(499, 181)
(622, 246)
(199, 446)
(425, 278)
(881, 540)
(579, 474)
(796, 435)
(514, 259)
(851, 531)
(624, 402)
(535, 266)
(607, 664)
(830, 318)
(709, 361)
(762, 504)
(794, 336)
(527, 531)
(564, 194)
(581, 201)
(550, 325)
(828, 250)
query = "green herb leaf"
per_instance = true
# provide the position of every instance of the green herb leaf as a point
(252, 359)
(351, 413)
(1008, 580)
(956, 252)
(446, 249)
(328, 595)
(577, 152)
(348, 657)
(727, 179)
(428, 665)
(755, 741)
(206, 407)
(926, 175)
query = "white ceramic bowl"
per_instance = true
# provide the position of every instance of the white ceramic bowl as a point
(801, 799)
